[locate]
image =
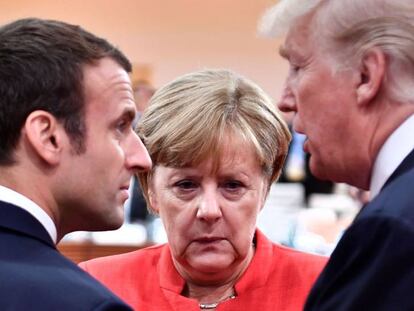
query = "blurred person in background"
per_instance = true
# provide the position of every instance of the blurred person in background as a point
(67, 153)
(138, 211)
(218, 144)
(143, 91)
(297, 170)
(350, 85)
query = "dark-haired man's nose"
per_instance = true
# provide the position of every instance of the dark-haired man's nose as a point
(137, 157)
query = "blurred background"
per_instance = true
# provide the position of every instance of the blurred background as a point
(167, 38)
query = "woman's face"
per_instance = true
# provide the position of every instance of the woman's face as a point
(210, 217)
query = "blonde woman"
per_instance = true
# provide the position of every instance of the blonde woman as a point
(217, 144)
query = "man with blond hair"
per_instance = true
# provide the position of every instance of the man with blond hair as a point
(350, 85)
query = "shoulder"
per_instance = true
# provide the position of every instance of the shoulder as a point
(80, 291)
(132, 276)
(283, 253)
(291, 271)
(55, 283)
(291, 261)
(374, 255)
(388, 217)
(108, 267)
(382, 236)
(290, 254)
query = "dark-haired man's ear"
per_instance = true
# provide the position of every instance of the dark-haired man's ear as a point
(372, 71)
(44, 134)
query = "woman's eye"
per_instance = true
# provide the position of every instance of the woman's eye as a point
(233, 185)
(185, 184)
(233, 189)
(185, 189)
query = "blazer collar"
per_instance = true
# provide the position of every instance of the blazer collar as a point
(16, 219)
(406, 165)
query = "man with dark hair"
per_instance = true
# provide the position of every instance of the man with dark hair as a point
(67, 153)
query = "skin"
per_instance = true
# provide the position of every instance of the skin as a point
(333, 109)
(96, 190)
(203, 212)
(82, 191)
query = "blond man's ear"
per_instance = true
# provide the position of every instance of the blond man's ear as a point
(372, 73)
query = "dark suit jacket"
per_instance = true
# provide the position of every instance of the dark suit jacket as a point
(35, 276)
(372, 267)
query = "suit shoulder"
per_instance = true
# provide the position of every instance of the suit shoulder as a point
(50, 280)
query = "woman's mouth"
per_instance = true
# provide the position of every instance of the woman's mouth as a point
(207, 240)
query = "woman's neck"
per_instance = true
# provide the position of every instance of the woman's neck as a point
(209, 294)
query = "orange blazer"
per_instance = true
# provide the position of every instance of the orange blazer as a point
(278, 278)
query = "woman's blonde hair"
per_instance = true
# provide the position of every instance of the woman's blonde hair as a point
(188, 120)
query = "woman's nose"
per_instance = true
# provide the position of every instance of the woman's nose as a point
(209, 207)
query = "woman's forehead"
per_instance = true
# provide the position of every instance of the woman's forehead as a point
(225, 155)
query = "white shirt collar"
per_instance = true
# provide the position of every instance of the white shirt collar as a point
(10, 196)
(392, 153)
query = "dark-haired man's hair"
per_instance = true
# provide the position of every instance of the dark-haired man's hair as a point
(41, 68)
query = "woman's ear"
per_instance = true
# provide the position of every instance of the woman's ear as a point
(372, 72)
(266, 190)
(44, 134)
(152, 200)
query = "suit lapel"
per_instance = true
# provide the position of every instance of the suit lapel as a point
(17, 219)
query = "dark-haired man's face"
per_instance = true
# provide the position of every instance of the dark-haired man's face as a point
(99, 178)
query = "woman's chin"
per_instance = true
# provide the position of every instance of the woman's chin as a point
(211, 263)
